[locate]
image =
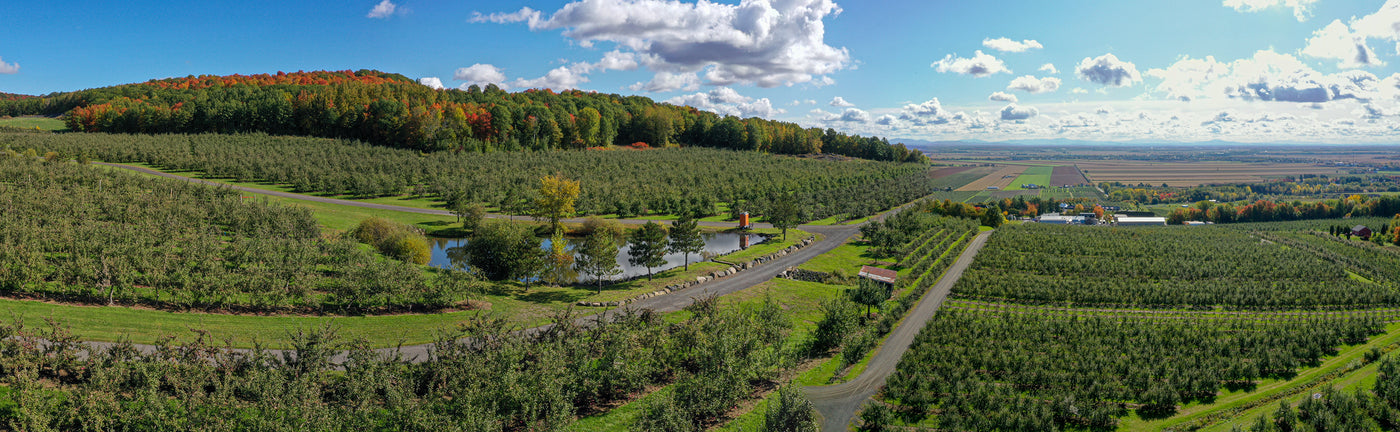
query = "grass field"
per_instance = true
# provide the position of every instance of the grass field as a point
(31, 122)
(111, 324)
(1036, 175)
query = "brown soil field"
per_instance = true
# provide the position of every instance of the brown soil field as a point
(1067, 175)
(947, 171)
(1000, 178)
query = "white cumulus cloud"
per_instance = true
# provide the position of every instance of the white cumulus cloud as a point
(761, 42)
(666, 81)
(1267, 76)
(840, 102)
(926, 113)
(979, 65)
(1337, 42)
(1049, 68)
(384, 9)
(1302, 9)
(1002, 97)
(1007, 45)
(1032, 84)
(1108, 70)
(432, 82)
(1384, 24)
(854, 115)
(1017, 112)
(8, 68)
(560, 78)
(479, 74)
(728, 102)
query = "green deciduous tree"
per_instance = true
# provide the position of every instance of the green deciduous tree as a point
(597, 257)
(648, 247)
(784, 214)
(685, 237)
(790, 412)
(502, 250)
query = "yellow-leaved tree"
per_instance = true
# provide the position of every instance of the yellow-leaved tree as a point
(557, 195)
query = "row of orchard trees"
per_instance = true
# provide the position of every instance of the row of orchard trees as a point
(389, 109)
(1027, 370)
(626, 183)
(76, 233)
(481, 376)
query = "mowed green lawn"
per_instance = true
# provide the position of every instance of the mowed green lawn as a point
(1037, 175)
(31, 122)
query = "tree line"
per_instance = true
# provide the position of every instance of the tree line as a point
(392, 110)
(625, 183)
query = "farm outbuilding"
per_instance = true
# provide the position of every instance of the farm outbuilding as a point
(877, 274)
(1125, 220)
(1059, 219)
(1361, 231)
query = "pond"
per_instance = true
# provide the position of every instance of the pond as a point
(452, 253)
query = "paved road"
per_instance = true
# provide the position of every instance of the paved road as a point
(838, 403)
(390, 207)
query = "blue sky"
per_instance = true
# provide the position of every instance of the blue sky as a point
(1243, 70)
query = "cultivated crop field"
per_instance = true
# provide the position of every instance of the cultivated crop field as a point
(1036, 175)
(1196, 173)
(999, 178)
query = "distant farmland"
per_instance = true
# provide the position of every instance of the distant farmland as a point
(1195, 173)
(1000, 178)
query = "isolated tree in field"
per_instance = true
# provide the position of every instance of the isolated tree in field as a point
(556, 201)
(993, 217)
(870, 294)
(597, 257)
(469, 214)
(784, 214)
(502, 250)
(685, 237)
(648, 247)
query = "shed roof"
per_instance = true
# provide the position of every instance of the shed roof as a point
(1359, 228)
(879, 274)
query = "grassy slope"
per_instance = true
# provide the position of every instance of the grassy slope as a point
(41, 123)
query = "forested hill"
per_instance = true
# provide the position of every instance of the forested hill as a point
(11, 96)
(392, 110)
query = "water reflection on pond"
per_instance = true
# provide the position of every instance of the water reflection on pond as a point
(452, 253)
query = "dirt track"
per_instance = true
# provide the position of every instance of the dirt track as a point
(838, 403)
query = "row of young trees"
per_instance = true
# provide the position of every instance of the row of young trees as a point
(1159, 267)
(1376, 408)
(76, 233)
(501, 250)
(1011, 370)
(481, 376)
(389, 109)
(626, 183)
